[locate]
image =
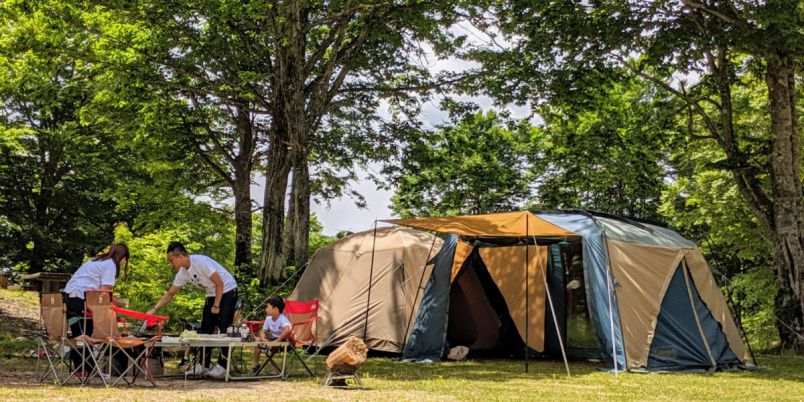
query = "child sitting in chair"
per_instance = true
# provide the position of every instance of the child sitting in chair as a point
(277, 327)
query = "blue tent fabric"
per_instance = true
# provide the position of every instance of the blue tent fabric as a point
(428, 336)
(715, 337)
(597, 280)
(677, 342)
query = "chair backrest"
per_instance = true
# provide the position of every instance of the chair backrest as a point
(104, 318)
(302, 314)
(54, 316)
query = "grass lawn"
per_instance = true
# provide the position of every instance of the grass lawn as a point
(781, 378)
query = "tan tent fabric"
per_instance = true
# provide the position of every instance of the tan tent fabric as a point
(462, 251)
(713, 298)
(507, 267)
(642, 274)
(521, 223)
(338, 275)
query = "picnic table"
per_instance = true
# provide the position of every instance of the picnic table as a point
(211, 341)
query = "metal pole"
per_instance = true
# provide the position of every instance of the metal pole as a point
(553, 311)
(527, 289)
(371, 274)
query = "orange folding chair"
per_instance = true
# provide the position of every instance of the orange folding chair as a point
(107, 338)
(53, 343)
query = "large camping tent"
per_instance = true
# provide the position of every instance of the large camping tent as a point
(638, 295)
(373, 271)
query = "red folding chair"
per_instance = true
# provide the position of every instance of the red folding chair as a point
(302, 316)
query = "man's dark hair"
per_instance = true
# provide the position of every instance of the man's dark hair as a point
(176, 248)
(277, 302)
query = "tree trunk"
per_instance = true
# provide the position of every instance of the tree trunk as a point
(297, 226)
(288, 240)
(243, 224)
(273, 220)
(301, 199)
(788, 208)
(243, 165)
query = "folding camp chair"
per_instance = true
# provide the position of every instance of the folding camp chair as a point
(54, 342)
(106, 336)
(302, 317)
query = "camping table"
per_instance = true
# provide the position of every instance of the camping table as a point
(231, 343)
(168, 342)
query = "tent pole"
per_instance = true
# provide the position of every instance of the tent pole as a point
(371, 274)
(553, 312)
(527, 289)
(413, 307)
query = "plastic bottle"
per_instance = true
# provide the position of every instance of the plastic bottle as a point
(244, 332)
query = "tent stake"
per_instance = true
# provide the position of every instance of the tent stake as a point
(371, 274)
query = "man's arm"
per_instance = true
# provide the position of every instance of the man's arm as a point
(165, 299)
(216, 279)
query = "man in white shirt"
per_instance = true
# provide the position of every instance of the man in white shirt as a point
(219, 308)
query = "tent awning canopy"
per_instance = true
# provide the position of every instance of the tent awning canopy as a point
(504, 224)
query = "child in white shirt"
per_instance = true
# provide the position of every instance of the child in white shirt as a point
(277, 327)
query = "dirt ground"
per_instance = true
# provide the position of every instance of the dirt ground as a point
(19, 313)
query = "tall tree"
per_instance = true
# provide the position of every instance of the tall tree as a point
(56, 171)
(329, 56)
(268, 72)
(609, 152)
(477, 165)
(208, 58)
(570, 45)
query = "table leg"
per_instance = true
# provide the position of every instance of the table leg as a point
(228, 362)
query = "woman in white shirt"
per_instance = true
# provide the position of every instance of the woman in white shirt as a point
(99, 273)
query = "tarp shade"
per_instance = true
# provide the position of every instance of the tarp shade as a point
(506, 224)
(506, 265)
(711, 295)
(338, 276)
(642, 274)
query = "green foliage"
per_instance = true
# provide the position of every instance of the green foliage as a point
(609, 153)
(55, 169)
(149, 275)
(477, 165)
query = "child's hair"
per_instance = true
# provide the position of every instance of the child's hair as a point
(277, 302)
